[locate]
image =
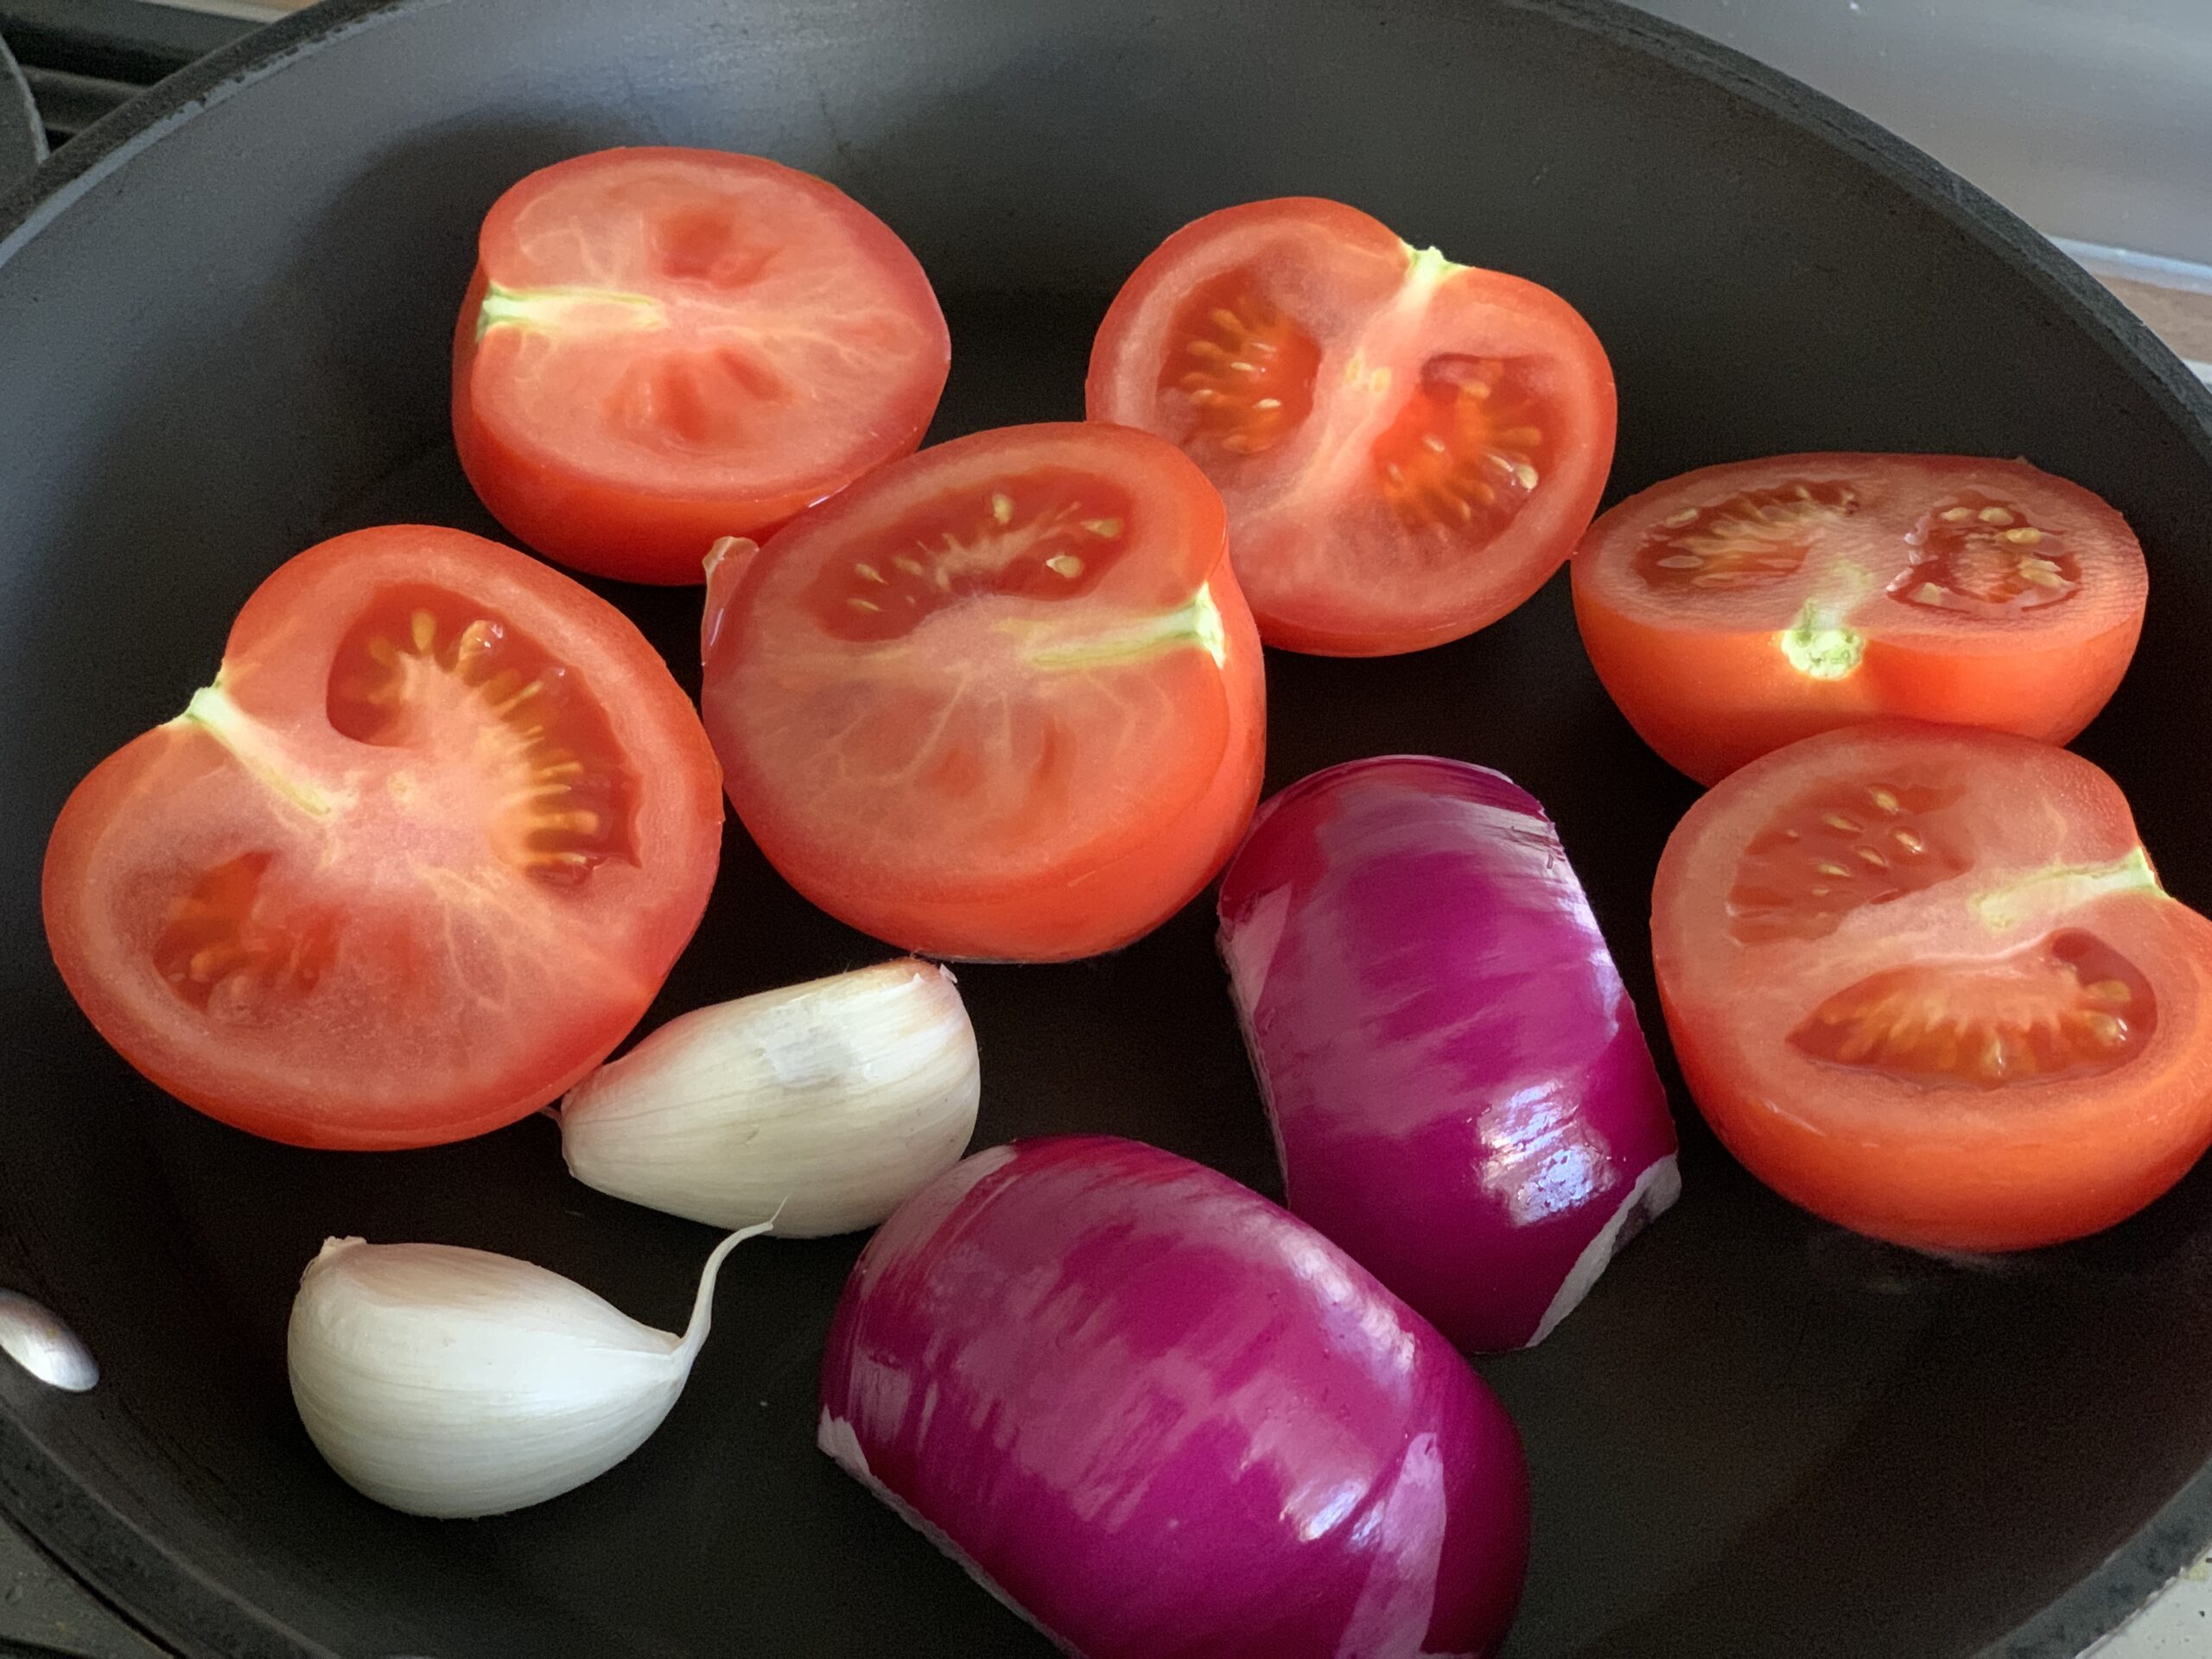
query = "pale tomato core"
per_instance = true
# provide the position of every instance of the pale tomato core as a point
(1455, 463)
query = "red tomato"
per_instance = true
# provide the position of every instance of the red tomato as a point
(1922, 980)
(1408, 447)
(1002, 699)
(1737, 608)
(411, 866)
(664, 346)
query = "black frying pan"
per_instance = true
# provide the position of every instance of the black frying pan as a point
(223, 328)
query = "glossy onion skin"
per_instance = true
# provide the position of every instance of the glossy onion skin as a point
(1460, 1092)
(1164, 1419)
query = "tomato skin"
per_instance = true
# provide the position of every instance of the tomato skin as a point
(2036, 1162)
(1742, 700)
(1097, 910)
(435, 1017)
(1711, 692)
(1326, 567)
(640, 519)
(1098, 879)
(1985, 1195)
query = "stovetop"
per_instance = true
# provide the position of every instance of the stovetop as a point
(83, 58)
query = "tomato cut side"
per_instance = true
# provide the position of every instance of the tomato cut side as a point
(1922, 980)
(1737, 608)
(415, 862)
(1002, 699)
(1408, 447)
(663, 346)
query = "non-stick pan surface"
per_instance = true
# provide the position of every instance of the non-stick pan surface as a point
(223, 330)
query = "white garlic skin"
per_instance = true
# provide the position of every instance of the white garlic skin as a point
(836, 1100)
(449, 1381)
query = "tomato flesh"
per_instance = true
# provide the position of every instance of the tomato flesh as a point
(1976, 551)
(417, 860)
(2067, 1005)
(663, 346)
(226, 949)
(1464, 454)
(1000, 700)
(1922, 981)
(1408, 447)
(427, 670)
(1740, 607)
(1839, 849)
(1050, 535)
(1245, 368)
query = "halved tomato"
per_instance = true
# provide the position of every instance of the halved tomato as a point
(661, 347)
(1922, 980)
(1002, 699)
(1737, 608)
(411, 866)
(1408, 447)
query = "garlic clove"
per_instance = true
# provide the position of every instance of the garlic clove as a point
(449, 1381)
(837, 1099)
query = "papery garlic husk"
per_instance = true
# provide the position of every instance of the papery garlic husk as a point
(833, 1100)
(449, 1381)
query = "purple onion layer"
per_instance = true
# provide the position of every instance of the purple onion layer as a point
(1460, 1093)
(1164, 1419)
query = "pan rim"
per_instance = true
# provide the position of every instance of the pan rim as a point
(169, 1602)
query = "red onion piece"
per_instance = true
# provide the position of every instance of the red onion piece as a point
(1461, 1094)
(1163, 1419)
